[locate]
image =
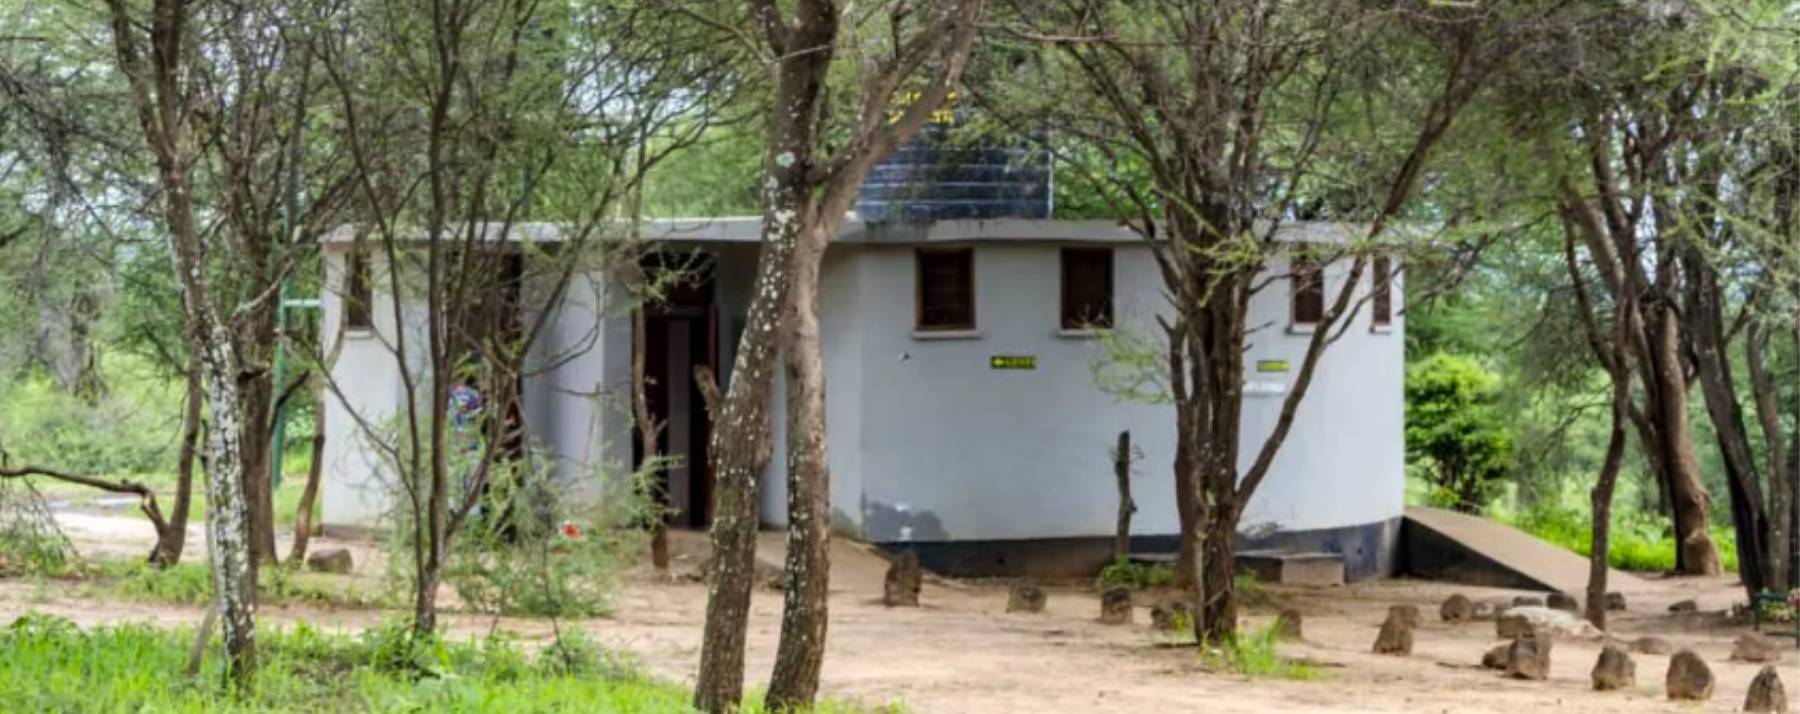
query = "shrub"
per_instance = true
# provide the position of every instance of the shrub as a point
(1454, 434)
(130, 430)
(1137, 576)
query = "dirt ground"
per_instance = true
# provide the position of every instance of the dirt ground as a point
(960, 652)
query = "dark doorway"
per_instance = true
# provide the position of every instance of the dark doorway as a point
(680, 332)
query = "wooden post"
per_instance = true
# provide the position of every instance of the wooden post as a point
(1122, 472)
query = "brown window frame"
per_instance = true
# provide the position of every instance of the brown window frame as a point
(359, 308)
(1077, 313)
(1381, 291)
(1306, 286)
(920, 257)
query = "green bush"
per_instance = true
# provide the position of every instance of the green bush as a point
(1137, 576)
(1639, 542)
(131, 430)
(1455, 436)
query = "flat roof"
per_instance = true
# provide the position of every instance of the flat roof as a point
(747, 229)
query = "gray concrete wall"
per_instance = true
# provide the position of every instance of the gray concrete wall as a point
(946, 448)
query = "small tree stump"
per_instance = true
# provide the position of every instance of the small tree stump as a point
(1115, 606)
(1528, 601)
(1395, 638)
(1615, 602)
(1170, 615)
(1562, 601)
(1511, 626)
(903, 580)
(1766, 693)
(1684, 606)
(1025, 596)
(1614, 670)
(336, 561)
(1495, 657)
(1752, 647)
(1287, 625)
(1689, 678)
(1529, 658)
(1457, 608)
(1408, 614)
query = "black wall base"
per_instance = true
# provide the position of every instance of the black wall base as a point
(1369, 550)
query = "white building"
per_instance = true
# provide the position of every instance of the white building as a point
(965, 423)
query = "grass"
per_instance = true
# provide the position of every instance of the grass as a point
(49, 665)
(1254, 655)
(1638, 543)
(189, 583)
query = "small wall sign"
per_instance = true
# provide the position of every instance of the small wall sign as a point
(1271, 365)
(1013, 361)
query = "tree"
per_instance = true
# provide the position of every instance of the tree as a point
(1239, 140)
(1452, 429)
(807, 193)
(464, 121)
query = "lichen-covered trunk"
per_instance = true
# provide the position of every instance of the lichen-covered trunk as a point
(801, 652)
(173, 539)
(227, 518)
(740, 443)
(1694, 552)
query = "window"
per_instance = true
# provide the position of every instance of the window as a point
(357, 310)
(1087, 288)
(1307, 280)
(1381, 302)
(946, 289)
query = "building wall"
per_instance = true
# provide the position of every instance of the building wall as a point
(948, 449)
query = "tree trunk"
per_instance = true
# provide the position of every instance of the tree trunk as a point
(315, 470)
(233, 566)
(258, 396)
(171, 540)
(1602, 499)
(1768, 412)
(804, 616)
(1695, 554)
(1127, 507)
(740, 443)
(1216, 612)
(648, 428)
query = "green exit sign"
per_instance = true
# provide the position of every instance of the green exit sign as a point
(1013, 361)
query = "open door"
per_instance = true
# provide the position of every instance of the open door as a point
(680, 334)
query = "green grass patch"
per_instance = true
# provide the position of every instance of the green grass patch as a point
(49, 665)
(1136, 576)
(1639, 543)
(1254, 655)
(190, 583)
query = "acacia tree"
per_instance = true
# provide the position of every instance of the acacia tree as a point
(808, 190)
(1237, 113)
(465, 120)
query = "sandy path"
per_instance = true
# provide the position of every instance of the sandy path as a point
(962, 653)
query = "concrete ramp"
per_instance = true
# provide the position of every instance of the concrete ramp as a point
(1457, 547)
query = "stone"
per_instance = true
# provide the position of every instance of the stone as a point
(1529, 658)
(1287, 625)
(1395, 638)
(1528, 601)
(1752, 647)
(1684, 606)
(1614, 670)
(1766, 693)
(1651, 646)
(1026, 596)
(1487, 611)
(1170, 615)
(1407, 613)
(1615, 602)
(1689, 678)
(1562, 601)
(1496, 658)
(1115, 606)
(1516, 622)
(336, 561)
(1457, 608)
(903, 580)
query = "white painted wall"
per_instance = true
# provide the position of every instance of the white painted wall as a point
(944, 447)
